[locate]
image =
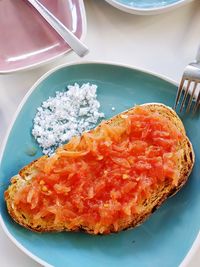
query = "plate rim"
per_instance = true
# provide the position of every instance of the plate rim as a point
(196, 244)
(50, 60)
(147, 11)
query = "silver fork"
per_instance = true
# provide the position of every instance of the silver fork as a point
(189, 86)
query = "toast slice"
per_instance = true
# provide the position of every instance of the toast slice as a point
(145, 207)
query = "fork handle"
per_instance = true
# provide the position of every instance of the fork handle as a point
(198, 55)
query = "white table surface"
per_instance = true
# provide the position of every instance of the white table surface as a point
(163, 43)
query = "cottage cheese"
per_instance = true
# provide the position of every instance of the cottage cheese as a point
(67, 114)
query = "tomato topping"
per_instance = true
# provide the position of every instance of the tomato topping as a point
(102, 177)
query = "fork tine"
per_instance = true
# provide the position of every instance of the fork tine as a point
(179, 92)
(197, 103)
(191, 97)
(185, 95)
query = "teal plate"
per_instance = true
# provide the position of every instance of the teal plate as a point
(146, 7)
(165, 238)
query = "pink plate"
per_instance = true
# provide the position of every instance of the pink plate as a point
(26, 39)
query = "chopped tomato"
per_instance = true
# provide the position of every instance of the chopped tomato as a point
(100, 179)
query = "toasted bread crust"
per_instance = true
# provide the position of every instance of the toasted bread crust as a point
(148, 206)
